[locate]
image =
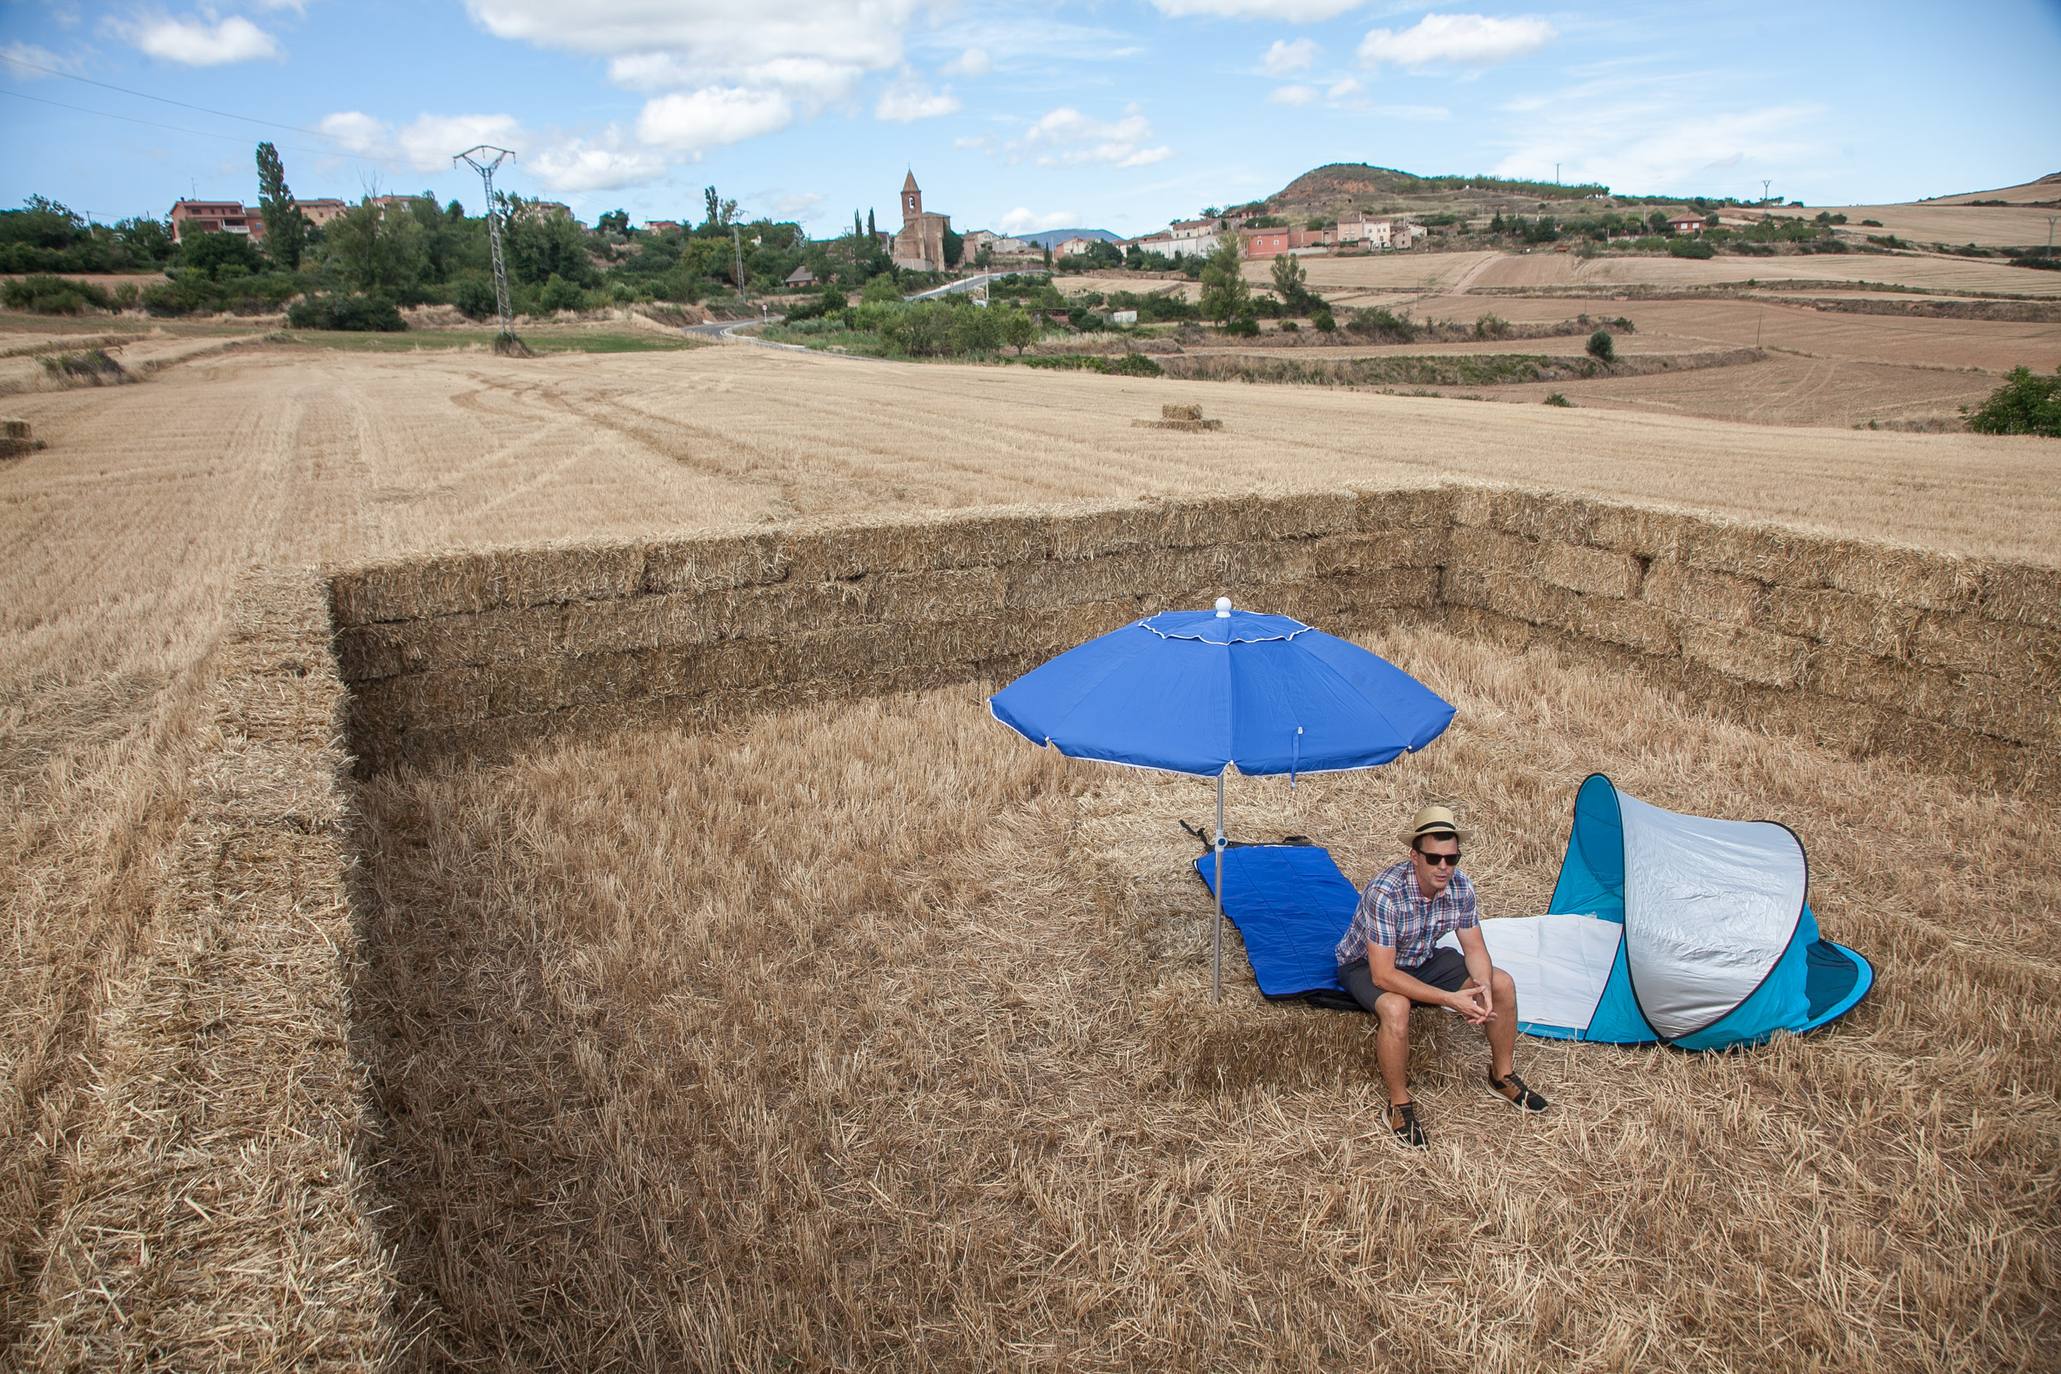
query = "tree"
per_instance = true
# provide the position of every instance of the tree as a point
(1291, 284)
(955, 248)
(614, 222)
(1225, 296)
(286, 230)
(2024, 404)
(871, 232)
(1602, 347)
(209, 255)
(1019, 330)
(719, 212)
(147, 241)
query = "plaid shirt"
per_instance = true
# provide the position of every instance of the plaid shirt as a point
(1395, 914)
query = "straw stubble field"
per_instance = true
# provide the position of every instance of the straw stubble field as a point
(909, 887)
(870, 1037)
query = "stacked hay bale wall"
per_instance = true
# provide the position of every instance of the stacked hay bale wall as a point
(1867, 647)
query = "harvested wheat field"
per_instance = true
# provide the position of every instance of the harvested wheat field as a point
(913, 1074)
(870, 1037)
(1342, 277)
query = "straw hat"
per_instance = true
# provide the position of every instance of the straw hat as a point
(1435, 821)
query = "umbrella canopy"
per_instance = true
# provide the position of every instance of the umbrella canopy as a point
(1200, 691)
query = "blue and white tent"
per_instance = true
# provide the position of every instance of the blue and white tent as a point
(1681, 929)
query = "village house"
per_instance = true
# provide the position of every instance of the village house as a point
(1686, 224)
(1070, 247)
(661, 226)
(324, 210)
(215, 217)
(801, 277)
(920, 246)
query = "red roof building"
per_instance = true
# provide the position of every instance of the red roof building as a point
(215, 217)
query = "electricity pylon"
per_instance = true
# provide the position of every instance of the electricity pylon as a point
(484, 159)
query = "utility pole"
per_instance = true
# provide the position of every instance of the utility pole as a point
(737, 248)
(1556, 174)
(2050, 233)
(484, 159)
(1764, 181)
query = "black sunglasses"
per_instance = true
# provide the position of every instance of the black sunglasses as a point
(1451, 860)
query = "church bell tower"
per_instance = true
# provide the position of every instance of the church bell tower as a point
(912, 199)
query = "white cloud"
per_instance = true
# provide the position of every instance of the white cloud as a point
(197, 43)
(356, 130)
(799, 206)
(1463, 39)
(1066, 136)
(812, 82)
(1345, 88)
(694, 121)
(16, 53)
(907, 100)
(1293, 95)
(431, 141)
(974, 143)
(712, 34)
(1284, 57)
(972, 62)
(1026, 221)
(574, 165)
(1632, 146)
(1288, 11)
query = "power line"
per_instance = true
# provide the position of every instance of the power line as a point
(165, 100)
(153, 124)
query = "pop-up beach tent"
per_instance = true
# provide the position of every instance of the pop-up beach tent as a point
(1663, 927)
(1675, 928)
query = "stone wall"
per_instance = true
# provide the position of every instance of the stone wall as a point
(1868, 647)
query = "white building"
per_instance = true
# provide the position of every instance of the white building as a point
(1378, 234)
(1068, 247)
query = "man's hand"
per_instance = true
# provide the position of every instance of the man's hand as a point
(1486, 994)
(1472, 1003)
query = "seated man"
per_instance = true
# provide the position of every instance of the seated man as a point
(1389, 960)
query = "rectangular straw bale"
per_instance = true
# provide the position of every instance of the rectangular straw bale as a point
(1834, 617)
(413, 590)
(2022, 594)
(1696, 595)
(1847, 674)
(2029, 657)
(1383, 509)
(1640, 530)
(1760, 553)
(945, 594)
(1491, 626)
(1402, 547)
(599, 627)
(1540, 516)
(1491, 551)
(1594, 572)
(529, 687)
(14, 429)
(1634, 625)
(1209, 521)
(1472, 506)
(696, 565)
(725, 668)
(1091, 531)
(915, 545)
(1360, 594)
(1750, 655)
(1180, 412)
(1303, 516)
(1932, 582)
(1162, 575)
(604, 679)
(776, 610)
(533, 577)
(1995, 707)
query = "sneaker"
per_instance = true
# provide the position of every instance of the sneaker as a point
(1402, 1124)
(1516, 1092)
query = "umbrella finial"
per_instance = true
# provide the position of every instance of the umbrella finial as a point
(1223, 608)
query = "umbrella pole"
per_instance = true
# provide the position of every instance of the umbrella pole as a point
(1216, 960)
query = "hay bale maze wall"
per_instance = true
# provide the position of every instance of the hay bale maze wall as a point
(1867, 647)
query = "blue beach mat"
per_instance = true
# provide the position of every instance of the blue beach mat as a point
(1291, 905)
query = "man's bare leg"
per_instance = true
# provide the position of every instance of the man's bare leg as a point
(1502, 1031)
(1392, 1044)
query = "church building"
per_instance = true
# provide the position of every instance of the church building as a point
(921, 244)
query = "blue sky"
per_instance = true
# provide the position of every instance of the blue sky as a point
(1117, 114)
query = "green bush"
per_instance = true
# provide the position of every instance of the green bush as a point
(1689, 248)
(361, 314)
(559, 294)
(1492, 326)
(1379, 323)
(473, 296)
(47, 295)
(1324, 322)
(2024, 404)
(1602, 347)
(1556, 399)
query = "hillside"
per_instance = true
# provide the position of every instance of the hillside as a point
(1342, 186)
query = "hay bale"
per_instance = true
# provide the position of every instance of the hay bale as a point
(1710, 596)
(1361, 595)
(698, 565)
(1189, 426)
(1383, 509)
(923, 597)
(1748, 655)
(2021, 594)
(1762, 554)
(1404, 547)
(1864, 622)
(1180, 412)
(618, 626)
(2021, 654)
(1540, 515)
(1931, 582)
(1593, 572)
(915, 544)
(14, 429)
(1634, 625)
(410, 590)
(1485, 550)
(1641, 530)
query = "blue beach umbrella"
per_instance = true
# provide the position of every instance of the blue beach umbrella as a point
(1201, 692)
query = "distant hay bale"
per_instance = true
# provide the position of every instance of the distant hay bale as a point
(16, 440)
(1180, 412)
(1185, 418)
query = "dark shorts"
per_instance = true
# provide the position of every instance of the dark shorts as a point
(1446, 969)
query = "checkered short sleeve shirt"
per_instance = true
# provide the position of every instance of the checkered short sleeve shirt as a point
(1395, 914)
